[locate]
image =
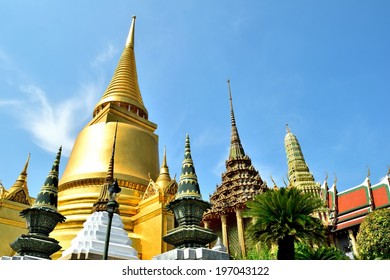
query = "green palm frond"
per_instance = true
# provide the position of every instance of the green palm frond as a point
(285, 212)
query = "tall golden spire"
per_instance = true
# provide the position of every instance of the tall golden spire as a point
(123, 89)
(236, 149)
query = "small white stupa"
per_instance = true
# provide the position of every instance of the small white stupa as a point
(89, 242)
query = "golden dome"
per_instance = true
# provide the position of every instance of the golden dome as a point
(136, 154)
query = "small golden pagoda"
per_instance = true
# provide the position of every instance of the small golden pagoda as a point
(12, 202)
(299, 175)
(136, 164)
(240, 183)
(298, 172)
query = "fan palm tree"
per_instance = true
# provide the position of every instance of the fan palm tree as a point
(284, 216)
(305, 252)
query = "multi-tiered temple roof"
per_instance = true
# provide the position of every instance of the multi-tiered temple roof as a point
(240, 182)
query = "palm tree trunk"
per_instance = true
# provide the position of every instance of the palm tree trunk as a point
(286, 248)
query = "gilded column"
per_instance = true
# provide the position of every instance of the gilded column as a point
(224, 232)
(206, 224)
(240, 229)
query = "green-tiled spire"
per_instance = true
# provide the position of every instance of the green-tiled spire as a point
(299, 174)
(188, 185)
(41, 219)
(48, 196)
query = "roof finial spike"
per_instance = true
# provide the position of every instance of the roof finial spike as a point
(164, 163)
(101, 203)
(236, 149)
(368, 172)
(24, 172)
(326, 176)
(388, 170)
(130, 37)
(231, 104)
(110, 172)
(335, 178)
(287, 128)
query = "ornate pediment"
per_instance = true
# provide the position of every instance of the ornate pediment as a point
(20, 197)
(151, 190)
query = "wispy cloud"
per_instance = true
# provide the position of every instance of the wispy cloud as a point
(55, 125)
(51, 124)
(104, 56)
(9, 102)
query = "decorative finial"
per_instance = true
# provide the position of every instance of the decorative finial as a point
(24, 172)
(388, 170)
(287, 128)
(230, 94)
(275, 186)
(110, 172)
(236, 149)
(335, 178)
(164, 163)
(130, 37)
(368, 172)
(326, 175)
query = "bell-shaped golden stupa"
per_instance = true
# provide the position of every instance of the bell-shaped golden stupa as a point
(136, 155)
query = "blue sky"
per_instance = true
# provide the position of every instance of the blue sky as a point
(323, 67)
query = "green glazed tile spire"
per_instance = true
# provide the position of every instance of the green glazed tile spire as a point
(299, 174)
(48, 196)
(188, 186)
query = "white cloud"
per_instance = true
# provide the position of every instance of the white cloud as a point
(55, 125)
(51, 124)
(9, 102)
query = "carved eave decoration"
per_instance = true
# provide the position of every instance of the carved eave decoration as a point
(166, 195)
(151, 190)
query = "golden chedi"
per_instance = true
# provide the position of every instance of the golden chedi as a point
(136, 156)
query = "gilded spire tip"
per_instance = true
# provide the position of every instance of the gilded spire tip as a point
(24, 172)
(130, 37)
(164, 163)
